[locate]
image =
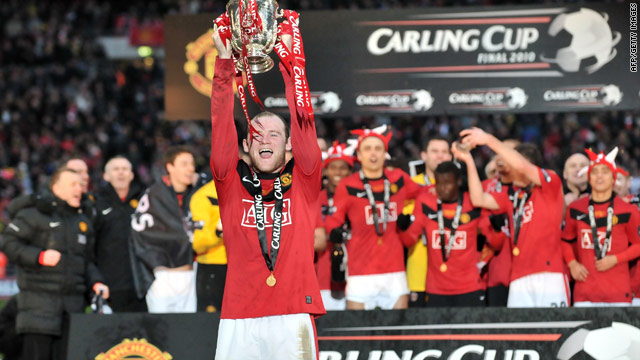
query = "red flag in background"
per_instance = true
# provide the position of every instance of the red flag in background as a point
(146, 34)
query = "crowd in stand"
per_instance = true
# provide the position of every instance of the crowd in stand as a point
(60, 95)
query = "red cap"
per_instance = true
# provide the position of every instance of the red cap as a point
(338, 151)
(602, 159)
(377, 132)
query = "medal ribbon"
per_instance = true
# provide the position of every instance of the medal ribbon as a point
(518, 212)
(446, 250)
(380, 230)
(261, 220)
(600, 251)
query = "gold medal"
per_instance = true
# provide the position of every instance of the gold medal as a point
(443, 268)
(516, 251)
(271, 280)
(379, 240)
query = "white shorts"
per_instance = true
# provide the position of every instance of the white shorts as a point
(172, 291)
(600, 304)
(378, 290)
(280, 337)
(332, 304)
(539, 290)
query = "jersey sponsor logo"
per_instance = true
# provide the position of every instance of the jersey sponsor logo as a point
(393, 212)
(249, 213)
(54, 224)
(459, 243)
(585, 239)
(580, 217)
(15, 227)
(107, 211)
(361, 194)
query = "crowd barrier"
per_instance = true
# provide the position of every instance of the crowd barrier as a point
(414, 334)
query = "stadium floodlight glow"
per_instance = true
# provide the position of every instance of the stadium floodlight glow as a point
(144, 51)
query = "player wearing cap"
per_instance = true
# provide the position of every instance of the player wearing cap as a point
(601, 266)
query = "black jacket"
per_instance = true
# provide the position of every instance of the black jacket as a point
(112, 226)
(47, 222)
(161, 235)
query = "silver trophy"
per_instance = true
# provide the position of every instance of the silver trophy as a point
(258, 44)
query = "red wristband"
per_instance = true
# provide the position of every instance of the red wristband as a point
(41, 258)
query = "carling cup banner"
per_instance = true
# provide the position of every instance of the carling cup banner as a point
(434, 61)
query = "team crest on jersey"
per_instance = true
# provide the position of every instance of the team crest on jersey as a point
(614, 220)
(393, 188)
(585, 239)
(83, 226)
(133, 203)
(465, 218)
(459, 243)
(393, 212)
(249, 213)
(285, 179)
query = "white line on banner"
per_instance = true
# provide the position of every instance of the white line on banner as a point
(514, 325)
(490, 74)
(491, 13)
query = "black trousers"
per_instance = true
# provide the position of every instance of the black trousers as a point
(38, 346)
(210, 280)
(126, 301)
(45, 347)
(472, 299)
(497, 295)
(417, 299)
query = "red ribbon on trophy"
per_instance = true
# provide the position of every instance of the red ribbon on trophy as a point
(223, 26)
(295, 61)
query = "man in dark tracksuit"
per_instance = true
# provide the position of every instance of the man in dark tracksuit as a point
(51, 242)
(115, 203)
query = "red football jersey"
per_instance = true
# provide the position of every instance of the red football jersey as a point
(613, 285)
(323, 266)
(246, 293)
(500, 264)
(461, 275)
(539, 243)
(635, 279)
(368, 253)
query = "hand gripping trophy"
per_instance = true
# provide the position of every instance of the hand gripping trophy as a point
(253, 28)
